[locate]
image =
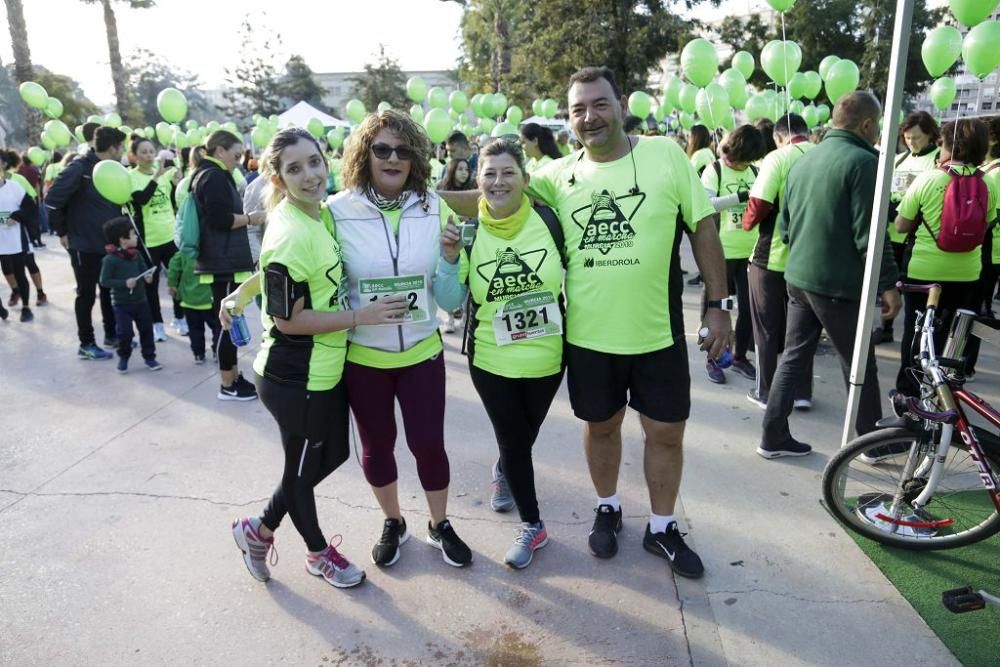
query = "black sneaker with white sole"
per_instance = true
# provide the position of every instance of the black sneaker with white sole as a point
(790, 448)
(386, 550)
(454, 551)
(669, 545)
(603, 538)
(241, 390)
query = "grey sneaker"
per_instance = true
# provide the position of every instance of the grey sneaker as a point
(246, 532)
(500, 499)
(531, 536)
(334, 568)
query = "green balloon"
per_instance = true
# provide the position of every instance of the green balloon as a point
(798, 85)
(335, 138)
(112, 120)
(943, 92)
(780, 60)
(814, 84)
(112, 181)
(437, 98)
(699, 61)
(355, 110)
(212, 125)
(743, 63)
(180, 139)
(672, 90)
(842, 79)
(150, 133)
(194, 136)
(639, 104)
(315, 127)
(78, 133)
(981, 48)
(796, 107)
(941, 49)
(811, 116)
(48, 141)
(37, 156)
(33, 94)
(729, 120)
(458, 101)
(59, 133)
(688, 98)
(477, 103)
(417, 113)
(231, 127)
(416, 89)
(504, 130)
(972, 12)
(712, 102)
(514, 115)
(550, 107)
(172, 105)
(486, 125)
(781, 5)
(536, 107)
(437, 123)
(736, 86)
(94, 118)
(826, 64)
(259, 136)
(383, 106)
(824, 112)
(53, 108)
(164, 133)
(686, 119)
(756, 107)
(499, 104)
(661, 112)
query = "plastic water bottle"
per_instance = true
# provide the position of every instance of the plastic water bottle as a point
(239, 332)
(725, 360)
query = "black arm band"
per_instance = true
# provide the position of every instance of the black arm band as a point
(282, 291)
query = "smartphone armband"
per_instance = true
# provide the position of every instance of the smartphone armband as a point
(282, 291)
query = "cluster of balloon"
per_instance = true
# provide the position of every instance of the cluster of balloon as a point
(55, 133)
(944, 45)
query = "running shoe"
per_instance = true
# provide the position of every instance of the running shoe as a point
(246, 532)
(454, 551)
(111, 342)
(241, 390)
(42, 300)
(669, 545)
(745, 368)
(697, 280)
(334, 568)
(530, 536)
(603, 538)
(153, 364)
(159, 332)
(500, 498)
(15, 298)
(180, 325)
(790, 448)
(199, 359)
(122, 365)
(92, 352)
(715, 373)
(802, 404)
(386, 550)
(878, 454)
(27, 315)
(754, 398)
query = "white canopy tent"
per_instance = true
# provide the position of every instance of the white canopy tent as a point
(302, 112)
(551, 123)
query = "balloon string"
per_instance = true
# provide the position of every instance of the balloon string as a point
(784, 62)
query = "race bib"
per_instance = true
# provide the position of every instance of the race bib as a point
(5, 219)
(412, 288)
(901, 180)
(531, 315)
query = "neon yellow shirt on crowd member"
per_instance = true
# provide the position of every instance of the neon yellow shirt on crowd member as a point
(158, 216)
(701, 159)
(619, 223)
(992, 172)
(523, 269)
(534, 164)
(736, 243)
(770, 252)
(307, 248)
(565, 149)
(907, 167)
(924, 201)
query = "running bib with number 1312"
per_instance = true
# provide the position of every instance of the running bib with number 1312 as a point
(528, 316)
(412, 288)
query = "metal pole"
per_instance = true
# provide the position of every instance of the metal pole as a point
(880, 211)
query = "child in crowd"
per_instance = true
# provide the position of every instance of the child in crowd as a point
(196, 301)
(121, 270)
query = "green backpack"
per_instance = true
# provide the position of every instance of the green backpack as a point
(187, 233)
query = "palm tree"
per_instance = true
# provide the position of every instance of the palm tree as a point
(23, 69)
(118, 73)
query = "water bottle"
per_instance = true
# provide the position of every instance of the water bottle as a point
(725, 360)
(239, 332)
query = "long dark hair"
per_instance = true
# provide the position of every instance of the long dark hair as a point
(699, 137)
(543, 135)
(450, 181)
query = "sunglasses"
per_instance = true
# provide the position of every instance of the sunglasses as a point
(383, 151)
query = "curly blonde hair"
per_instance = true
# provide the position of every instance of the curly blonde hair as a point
(357, 154)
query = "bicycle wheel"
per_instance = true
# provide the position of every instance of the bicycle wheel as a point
(860, 495)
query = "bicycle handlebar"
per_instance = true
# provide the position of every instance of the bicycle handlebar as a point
(946, 417)
(933, 291)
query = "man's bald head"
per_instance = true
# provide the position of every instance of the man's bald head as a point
(858, 112)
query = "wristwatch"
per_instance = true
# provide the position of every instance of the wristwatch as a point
(722, 304)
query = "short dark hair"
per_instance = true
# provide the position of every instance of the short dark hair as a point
(117, 229)
(503, 146)
(108, 137)
(967, 139)
(744, 144)
(88, 131)
(852, 110)
(457, 137)
(791, 124)
(766, 128)
(633, 123)
(10, 158)
(993, 130)
(924, 121)
(591, 74)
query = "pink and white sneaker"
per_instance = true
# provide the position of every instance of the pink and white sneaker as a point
(246, 532)
(333, 567)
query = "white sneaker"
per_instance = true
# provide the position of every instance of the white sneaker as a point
(334, 568)
(159, 332)
(802, 404)
(180, 326)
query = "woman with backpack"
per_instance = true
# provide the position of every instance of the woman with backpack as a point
(949, 211)
(728, 181)
(515, 272)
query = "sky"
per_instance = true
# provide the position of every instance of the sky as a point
(68, 36)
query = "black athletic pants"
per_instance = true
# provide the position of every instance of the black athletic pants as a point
(87, 269)
(516, 408)
(197, 321)
(313, 427)
(16, 265)
(160, 257)
(225, 347)
(768, 310)
(900, 255)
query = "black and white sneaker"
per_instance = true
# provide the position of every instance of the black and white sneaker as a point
(669, 545)
(454, 551)
(603, 538)
(386, 550)
(241, 390)
(790, 448)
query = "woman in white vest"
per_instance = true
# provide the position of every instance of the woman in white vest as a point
(396, 237)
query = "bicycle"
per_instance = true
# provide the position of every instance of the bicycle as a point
(926, 478)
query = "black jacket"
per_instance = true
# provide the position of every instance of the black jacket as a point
(77, 209)
(222, 249)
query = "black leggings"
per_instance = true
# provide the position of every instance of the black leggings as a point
(160, 256)
(313, 427)
(197, 320)
(225, 348)
(15, 264)
(516, 408)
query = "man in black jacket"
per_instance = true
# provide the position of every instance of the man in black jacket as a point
(77, 212)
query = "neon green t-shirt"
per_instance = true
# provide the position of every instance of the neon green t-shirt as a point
(925, 198)
(770, 252)
(23, 182)
(565, 149)
(905, 170)
(736, 243)
(158, 215)
(307, 248)
(620, 222)
(534, 164)
(992, 170)
(701, 159)
(500, 270)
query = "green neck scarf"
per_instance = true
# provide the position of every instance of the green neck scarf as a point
(507, 228)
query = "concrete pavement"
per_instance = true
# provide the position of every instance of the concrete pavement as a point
(116, 495)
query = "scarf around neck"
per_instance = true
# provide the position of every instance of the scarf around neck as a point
(505, 228)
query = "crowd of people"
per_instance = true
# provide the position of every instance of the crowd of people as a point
(560, 260)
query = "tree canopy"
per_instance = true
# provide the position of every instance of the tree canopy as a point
(382, 81)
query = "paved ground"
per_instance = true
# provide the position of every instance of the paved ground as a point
(117, 491)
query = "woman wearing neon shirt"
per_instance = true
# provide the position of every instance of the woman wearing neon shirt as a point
(699, 148)
(539, 145)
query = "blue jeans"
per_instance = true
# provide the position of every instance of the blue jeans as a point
(125, 315)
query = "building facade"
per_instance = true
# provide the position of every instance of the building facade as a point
(339, 86)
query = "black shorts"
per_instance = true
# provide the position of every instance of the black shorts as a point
(656, 384)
